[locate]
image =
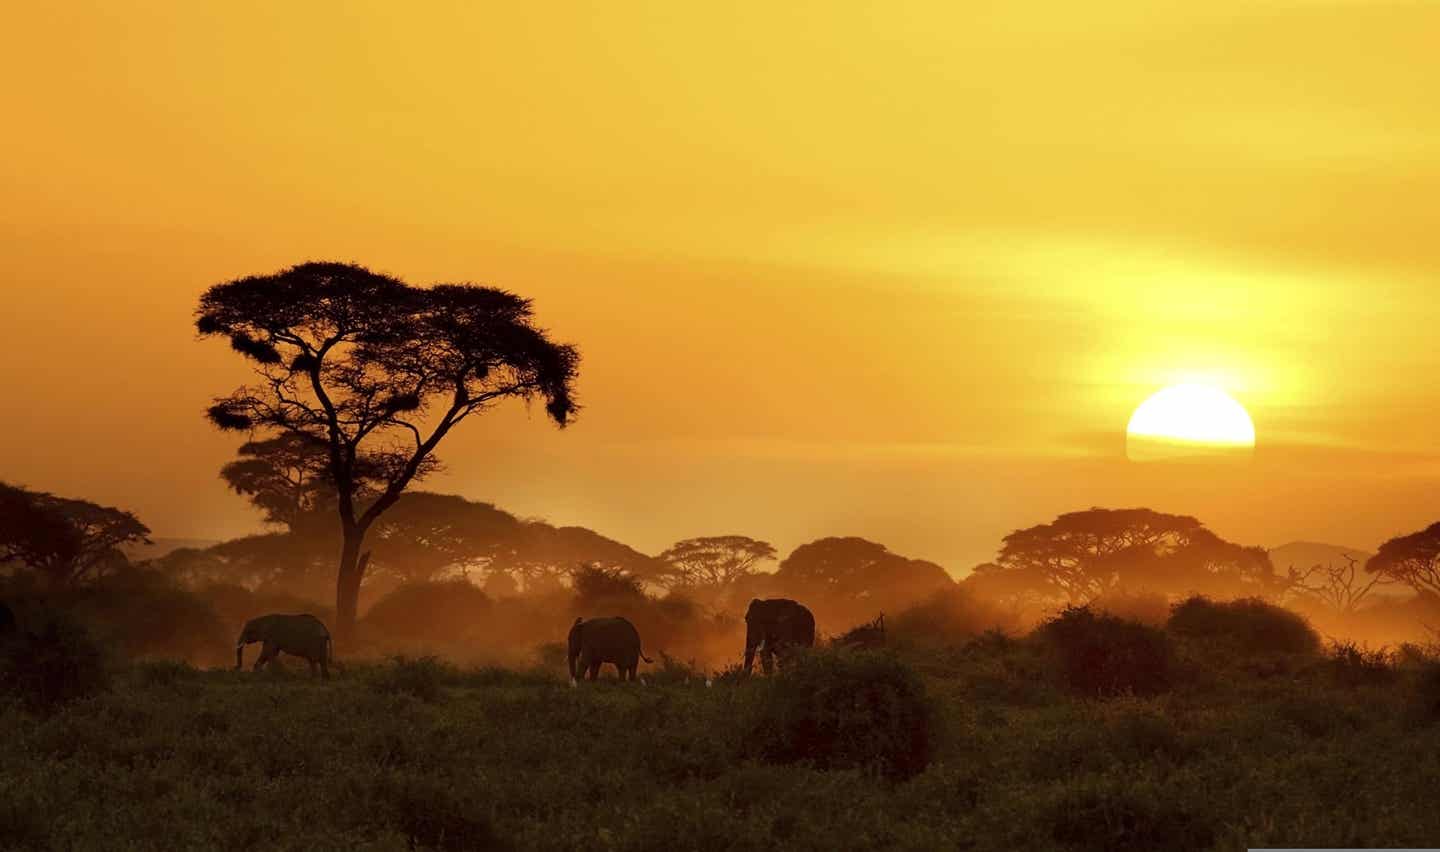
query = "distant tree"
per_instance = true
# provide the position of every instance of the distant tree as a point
(853, 576)
(1017, 587)
(1204, 563)
(380, 372)
(288, 477)
(546, 555)
(596, 583)
(1082, 555)
(427, 534)
(713, 560)
(64, 541)
(1412, 559)
(1341, 587)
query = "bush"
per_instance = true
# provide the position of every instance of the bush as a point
(837, 710)
(1426, 700)
(423, 677)
(440, 611)
(58, 663)
(437, 813)
(1356, 665)
(1104, 655)
(1248, 626)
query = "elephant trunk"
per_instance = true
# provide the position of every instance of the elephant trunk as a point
(239, 656)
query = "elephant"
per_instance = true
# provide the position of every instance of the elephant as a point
(773, 626)
(604, 640)
(299, 635)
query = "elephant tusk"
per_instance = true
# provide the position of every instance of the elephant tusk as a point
(709, 683)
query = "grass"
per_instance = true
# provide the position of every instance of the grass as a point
(420, 754)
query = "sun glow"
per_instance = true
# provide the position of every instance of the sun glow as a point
(1189, 420)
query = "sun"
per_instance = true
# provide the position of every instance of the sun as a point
(1189, 421)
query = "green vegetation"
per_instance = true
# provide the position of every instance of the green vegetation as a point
(980, 744)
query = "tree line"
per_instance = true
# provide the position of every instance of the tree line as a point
(358, 378)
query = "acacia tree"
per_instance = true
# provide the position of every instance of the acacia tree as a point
(1080, 556)
(1412, 559)
(850, 576)
(288, 476)
(380, 372)
(1341, 587)
(713, 560)
(64, 541)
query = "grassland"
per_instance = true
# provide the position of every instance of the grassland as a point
(1276, 750)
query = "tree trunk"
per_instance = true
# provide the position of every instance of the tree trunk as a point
(347, 584)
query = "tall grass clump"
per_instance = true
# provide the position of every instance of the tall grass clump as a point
(1103, 655)
(1248, 626)
(835, 709)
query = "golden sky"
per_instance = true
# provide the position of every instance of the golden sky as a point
(899, 270)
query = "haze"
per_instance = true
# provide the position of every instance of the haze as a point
(860, 270)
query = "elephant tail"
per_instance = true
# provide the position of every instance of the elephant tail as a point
(645, 658)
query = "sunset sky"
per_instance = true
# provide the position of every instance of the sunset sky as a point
(893, 270)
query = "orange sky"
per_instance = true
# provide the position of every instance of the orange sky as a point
(893, 272)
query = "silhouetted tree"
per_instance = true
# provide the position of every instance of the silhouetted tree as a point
(713, 560)
(380, 371)
(288, 476)
(1412, 559)
(545, 555)
(1341, 587)
(64, 541)
(1082, 555)
(853, 577)
(425, 534)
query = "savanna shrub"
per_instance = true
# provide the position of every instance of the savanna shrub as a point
(437, 611)
(1105, 815)
(55, 663)
(1353, 664)
(841, 710)
(418, 677)
(1245, 626)
(1104, 655)
(434, 813)
(162, 673)
(1426, 700)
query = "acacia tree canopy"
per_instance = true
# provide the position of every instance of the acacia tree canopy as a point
(1082, 555)
(65, 541)
(713, 560)
(378, 371)
(850, 577)
(1412, 559)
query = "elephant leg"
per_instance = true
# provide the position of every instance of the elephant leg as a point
(314, 666)
(268, 652)
(324, 669)
(594, 672)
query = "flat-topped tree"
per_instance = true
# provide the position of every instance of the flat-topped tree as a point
(380, 372)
